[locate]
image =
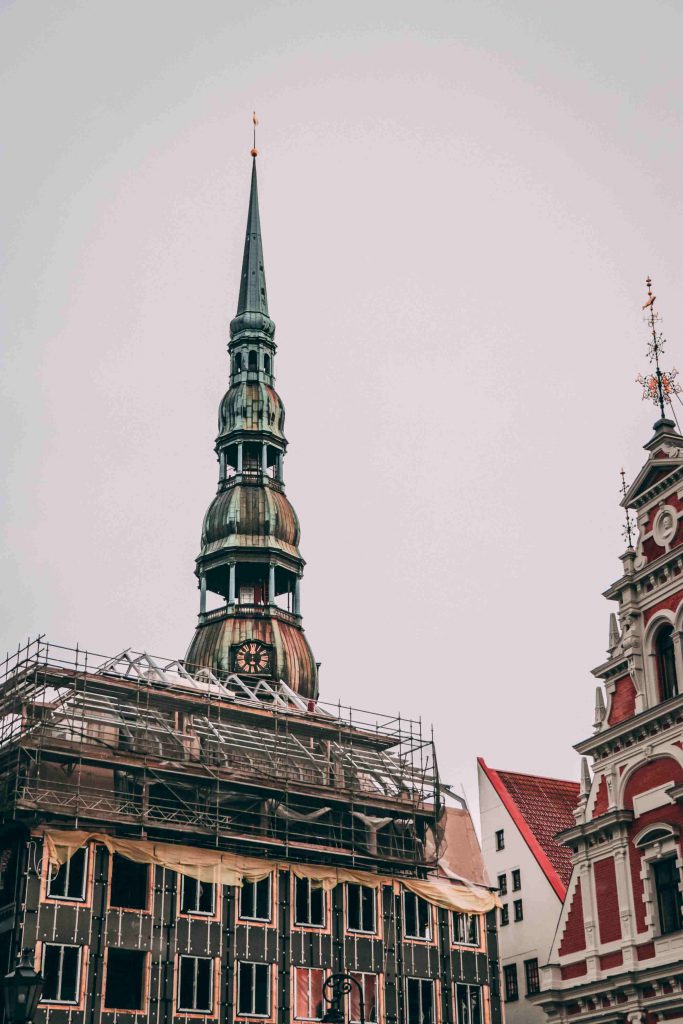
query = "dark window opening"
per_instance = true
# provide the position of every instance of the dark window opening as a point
(196, 897)
(468, 1004)
(69, 882)
(500, 839)
(129, 883)
(503, 884)
(255, 900)
(668, 895)
(61, 970)
(238, 363)
(466, 929)
(253, 361)
(516, 880)
(309, 903)
(266, 364)
(416, 917)
(511, 987)
(8, 876)
(253, 990)
(505, 914)
(195, 978)
(666, 663)
(533, 981)
(125, 984)
(360, 908)
(420, 1000)
(519, 911)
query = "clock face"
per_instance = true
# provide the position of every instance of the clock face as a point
(252, 658)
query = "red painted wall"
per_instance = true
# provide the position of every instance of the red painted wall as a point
(669, 604)
(609, 924)
(601, 799)
(623, 703)
(574, 936)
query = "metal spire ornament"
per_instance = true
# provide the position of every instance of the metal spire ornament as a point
(659, 387)
(627, 530)
(254, 121)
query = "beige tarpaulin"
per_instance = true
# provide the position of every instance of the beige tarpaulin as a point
(224, 868)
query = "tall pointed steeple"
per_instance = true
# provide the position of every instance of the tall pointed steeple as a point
(253, 296)
(249, 557)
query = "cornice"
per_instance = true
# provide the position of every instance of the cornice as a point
(597, 828)
(647, 723)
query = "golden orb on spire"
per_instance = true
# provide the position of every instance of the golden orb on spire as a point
(254, 152)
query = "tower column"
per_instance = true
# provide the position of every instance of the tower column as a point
(202, 594)
(271, 584)
(221, 463)
(264, 458)
(297, 596)
(231, 584)
(239, 456)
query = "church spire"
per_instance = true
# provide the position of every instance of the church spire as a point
(253, 297)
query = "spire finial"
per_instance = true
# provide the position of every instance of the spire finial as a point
(254, 121)
(659, 386)
(627, 530)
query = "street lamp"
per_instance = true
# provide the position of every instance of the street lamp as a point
(339, 985)
(21, 990)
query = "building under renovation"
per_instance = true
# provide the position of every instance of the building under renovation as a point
(205, 837)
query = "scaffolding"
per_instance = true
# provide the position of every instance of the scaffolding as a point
(138, 745)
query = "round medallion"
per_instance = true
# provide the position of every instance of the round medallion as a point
(252, 658)
(664, 526)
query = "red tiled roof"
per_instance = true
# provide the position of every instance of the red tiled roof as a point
(540, 808)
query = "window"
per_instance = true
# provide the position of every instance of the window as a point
(516, 880)
(466, 929)
(238, 363)
(61, 970)
(255, 900)
(125, 983)
(510, 978)
(308, 993)
(500, 839)
(668, 895)
(196, 897)
(420, 1000)
(519, 911)
(309, 903)
(253, 360)
(666, 662)
(253, 990)
(129, 883)
(533, 982)
(266, 364)
(368, 984)
(195, 984)
(69, 882)
(468, 1003)
(360, 908)
(503, 884)
(417, 923)
(505, 914)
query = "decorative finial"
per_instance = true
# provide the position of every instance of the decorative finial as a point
(627, 531)
(659, 386)
(254, 121)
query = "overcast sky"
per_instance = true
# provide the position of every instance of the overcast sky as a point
(460, 201)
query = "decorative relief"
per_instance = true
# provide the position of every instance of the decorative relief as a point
(664, 526)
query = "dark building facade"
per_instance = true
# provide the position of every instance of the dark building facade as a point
(205, 838)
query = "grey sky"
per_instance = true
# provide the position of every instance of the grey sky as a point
(460, 202)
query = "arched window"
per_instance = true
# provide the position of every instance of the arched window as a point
(266, 364)
(666, 663)
(253, 361)
(238, 363)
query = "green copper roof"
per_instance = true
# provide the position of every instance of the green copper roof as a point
(253, 296)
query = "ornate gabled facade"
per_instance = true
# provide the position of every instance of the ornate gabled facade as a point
(618, 950)
(204, 838)
(250, 554)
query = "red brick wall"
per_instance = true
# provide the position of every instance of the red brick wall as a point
(574, 936)
(607, 900)
(623, 703)
(601, 799)
(576, 970)
(670, 604)
(615, 959)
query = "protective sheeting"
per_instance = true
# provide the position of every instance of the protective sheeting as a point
(223, 868)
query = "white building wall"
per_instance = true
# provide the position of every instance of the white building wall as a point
(531, 938)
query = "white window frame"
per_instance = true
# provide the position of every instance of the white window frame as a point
(660, 849)
(195, 1009)
(309, 924)
(361, 930)
(421, 981)
(417, 938)
(198, 913)
(79, 963)
(84, 887)
(246, 917)
(309, 971)
(252, 1013)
